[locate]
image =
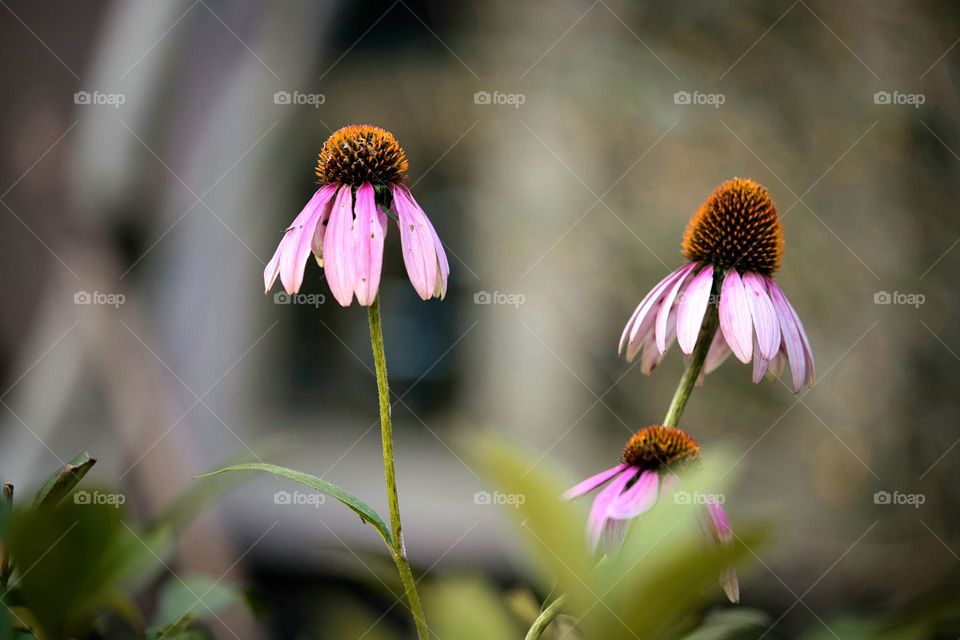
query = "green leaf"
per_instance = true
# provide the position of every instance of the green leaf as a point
(59, 484)
(194, 597)
(361, 508)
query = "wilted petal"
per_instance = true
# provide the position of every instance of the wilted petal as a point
(792, 342)
(692, 307)
(643, 316)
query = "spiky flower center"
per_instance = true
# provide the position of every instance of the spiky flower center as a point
(658, 447)
(737, 227)
(362, 153)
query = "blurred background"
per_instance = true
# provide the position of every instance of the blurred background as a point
(153, 153)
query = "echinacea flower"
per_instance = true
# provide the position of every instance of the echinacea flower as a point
(646, 473)
(733, 244)
(361, 170)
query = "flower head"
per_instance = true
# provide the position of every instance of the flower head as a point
(646, 473)
(361, 171)
(734, 244)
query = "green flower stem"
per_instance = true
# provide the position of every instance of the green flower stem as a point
(6, 568)
(546, 616)
(689, 378)
(398, 551)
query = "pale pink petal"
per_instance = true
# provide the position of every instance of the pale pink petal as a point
(316, 244)
(735, 319)
(598, 513)
(642, 334)
(637, 499)
(792, 342)
(669, 485)
(273, 267)
(764, 317)
(807, 351)
(730, 584)
(718, 353)
(760, 363)
(338, 253)
(591, 483)
(651, 353)
(692, 307)
(286, 261)
(642, 317)
(369, 230)
(719, 520)
(667, 306)
(419, 251)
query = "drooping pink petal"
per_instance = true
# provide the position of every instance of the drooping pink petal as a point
(369, 230)
(598, 513)
(692, 307)
(294, 261)
(719, 520)
(667, 306)
(760, 363)
(669, 485)
(642, 317)
(735, 321)
(316, 245)
(642, 334)
(338, 252)
(637, 499)
(581, 489)
(273, 267)
(718, 353)
(792, 342)
(763, 314)
(807, 351)
(416, 238)
(651, 353)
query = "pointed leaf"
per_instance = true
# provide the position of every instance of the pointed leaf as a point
(361, 508)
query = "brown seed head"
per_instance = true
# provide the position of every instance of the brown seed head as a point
(737, 226)
(657, 447)
(362, 153)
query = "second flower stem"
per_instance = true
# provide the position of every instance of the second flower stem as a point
(398, 550)
(707, 330)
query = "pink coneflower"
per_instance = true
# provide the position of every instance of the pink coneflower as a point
(734, 244)
(361, 170)
(646, 473)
